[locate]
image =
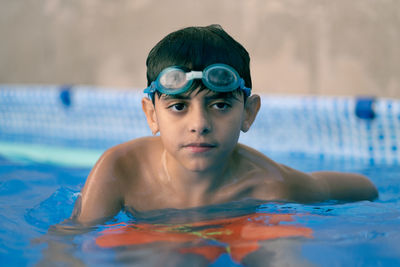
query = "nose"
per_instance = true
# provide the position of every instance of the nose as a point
(200, 121)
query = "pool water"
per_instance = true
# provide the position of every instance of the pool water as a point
(34, 196)
(50, 137)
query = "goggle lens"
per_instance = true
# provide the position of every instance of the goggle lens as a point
(222, 78)
(174, 79)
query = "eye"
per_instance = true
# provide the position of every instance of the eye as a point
(220, 106)
(178, 107)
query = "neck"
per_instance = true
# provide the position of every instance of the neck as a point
(194, 183)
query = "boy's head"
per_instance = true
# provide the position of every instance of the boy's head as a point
(194, 49)
(199, 128)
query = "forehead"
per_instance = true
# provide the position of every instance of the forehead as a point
(202, 93)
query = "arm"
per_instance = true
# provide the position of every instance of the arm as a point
(347, 186)
(101, 196)
(322, 186)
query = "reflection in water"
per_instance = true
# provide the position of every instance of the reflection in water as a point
(238, 236)
(248, 232)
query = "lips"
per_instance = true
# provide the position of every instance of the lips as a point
(199, 147)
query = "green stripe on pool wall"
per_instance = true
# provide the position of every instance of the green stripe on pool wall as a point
(69, 157)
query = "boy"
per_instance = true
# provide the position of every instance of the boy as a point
(199, 100)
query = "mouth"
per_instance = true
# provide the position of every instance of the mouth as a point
(199, 147)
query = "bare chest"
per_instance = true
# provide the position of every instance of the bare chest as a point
(151, 197)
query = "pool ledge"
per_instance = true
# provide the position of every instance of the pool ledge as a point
(68, 157)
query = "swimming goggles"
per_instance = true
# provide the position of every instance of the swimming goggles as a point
(217, 77)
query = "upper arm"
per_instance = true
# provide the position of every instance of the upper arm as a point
(347, 186)
(303, 187)
(322, 186)
(101, 195)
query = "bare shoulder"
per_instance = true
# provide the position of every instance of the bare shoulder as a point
(264, 176)
(131, 156)
(255, 157)
(291, 184)
(138, 145)
(114, 174)
(269, 167)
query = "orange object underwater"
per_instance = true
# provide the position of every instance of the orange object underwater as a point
(238, 236)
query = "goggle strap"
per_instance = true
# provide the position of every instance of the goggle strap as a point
(245, 89)
(151, 89)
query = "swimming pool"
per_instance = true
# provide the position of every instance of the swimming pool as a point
(51, 136)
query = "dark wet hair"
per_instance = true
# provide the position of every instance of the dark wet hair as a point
(196, 48)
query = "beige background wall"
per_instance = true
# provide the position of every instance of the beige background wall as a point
(337, 47)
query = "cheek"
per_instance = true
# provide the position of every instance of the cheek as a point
(166, 124)
(170, 130)
(229, 128)
(169, 133)
(234, 120)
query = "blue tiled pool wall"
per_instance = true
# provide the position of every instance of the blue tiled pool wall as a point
(89, 117)
(329, 126)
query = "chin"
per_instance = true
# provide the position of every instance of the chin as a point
(200, 166)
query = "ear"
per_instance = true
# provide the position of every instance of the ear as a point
(151, 116)
(251, 109)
